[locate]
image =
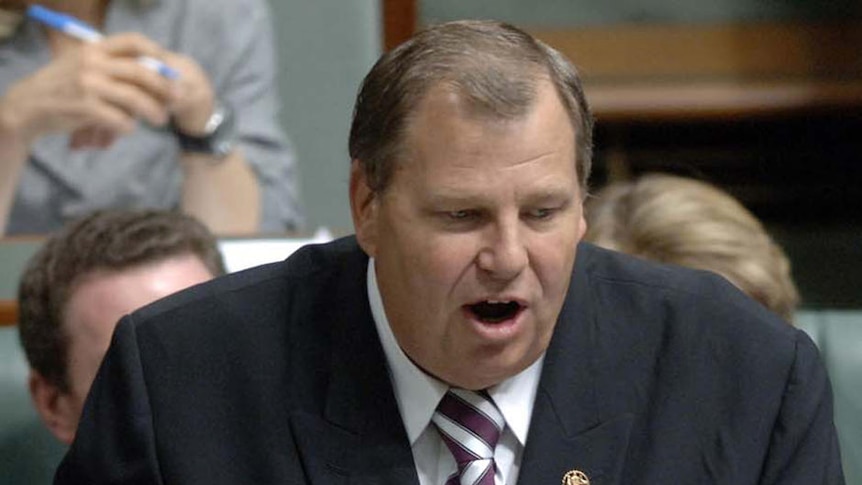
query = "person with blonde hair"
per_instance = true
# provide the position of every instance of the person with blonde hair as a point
(687, 222)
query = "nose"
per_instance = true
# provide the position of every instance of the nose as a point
(504, 253)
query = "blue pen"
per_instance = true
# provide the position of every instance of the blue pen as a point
(75, 28)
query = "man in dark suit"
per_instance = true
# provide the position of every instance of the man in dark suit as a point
(463, 335)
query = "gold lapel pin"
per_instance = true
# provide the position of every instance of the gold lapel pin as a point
(575, 477)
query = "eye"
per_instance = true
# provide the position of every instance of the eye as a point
(460, 215)
(460, 220)
(541, 213)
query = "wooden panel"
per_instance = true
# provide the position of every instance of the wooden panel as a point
(399, 21)
(8, 312)
(684, 71)
(678, 101)
(694, 52)
(678, 72)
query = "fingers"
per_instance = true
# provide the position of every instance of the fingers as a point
(123, 57)
(136, 89)
(112, 73)
(147, 53)
(193, 97)
(101, 84)
(104, 116)
(131, 44)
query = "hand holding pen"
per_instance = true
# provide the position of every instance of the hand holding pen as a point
(98, 89)
(73, 27)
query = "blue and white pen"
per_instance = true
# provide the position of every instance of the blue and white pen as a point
(80, 30)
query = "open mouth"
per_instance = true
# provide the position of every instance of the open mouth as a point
(492, 311)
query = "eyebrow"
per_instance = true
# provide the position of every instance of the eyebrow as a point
(552, 195)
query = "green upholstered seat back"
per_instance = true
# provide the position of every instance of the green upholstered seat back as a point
(28, 451)
(838, 334)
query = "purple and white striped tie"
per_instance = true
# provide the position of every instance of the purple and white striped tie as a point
(470, 425)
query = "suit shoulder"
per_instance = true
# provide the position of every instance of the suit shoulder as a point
(665, 329)
(612, 266)
(694, 303)
(271, 285)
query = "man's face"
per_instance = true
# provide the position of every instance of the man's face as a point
(475, 238)
(101, 298)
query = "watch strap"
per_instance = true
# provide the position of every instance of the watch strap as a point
(219, 134)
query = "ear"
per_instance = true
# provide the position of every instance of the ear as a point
(363, 209)
(56, 408)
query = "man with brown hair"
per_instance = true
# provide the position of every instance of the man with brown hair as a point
(463, 336)
(87, 276)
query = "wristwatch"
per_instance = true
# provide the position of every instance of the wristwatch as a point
(219, 135)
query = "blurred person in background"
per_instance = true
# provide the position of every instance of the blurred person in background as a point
(87, 276)
(84, 125)
(677, 220)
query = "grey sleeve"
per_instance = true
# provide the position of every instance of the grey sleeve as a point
(249, 86)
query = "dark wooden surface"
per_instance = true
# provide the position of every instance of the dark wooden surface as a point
(399, 21)
(714, 72)
(8, 312)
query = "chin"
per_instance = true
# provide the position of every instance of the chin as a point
(490, 372)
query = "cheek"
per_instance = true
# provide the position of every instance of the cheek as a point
(553, 266)
(448, 260)
(84, 358)
(81, 375)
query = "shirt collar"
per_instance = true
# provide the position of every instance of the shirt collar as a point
(418, 393)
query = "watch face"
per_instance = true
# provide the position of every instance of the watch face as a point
(220, 137)
(215, 121)
(223, 137)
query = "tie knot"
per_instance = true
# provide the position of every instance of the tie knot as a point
(470, 424)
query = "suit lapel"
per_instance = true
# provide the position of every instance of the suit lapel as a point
(551, 451)
(360, 438)
(569, 429)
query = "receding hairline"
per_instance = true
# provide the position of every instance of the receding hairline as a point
(471, 110)
(490, 62)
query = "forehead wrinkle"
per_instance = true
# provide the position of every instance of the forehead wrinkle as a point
(463, 143)
(463, 193)
(478, 154)
(529, 160)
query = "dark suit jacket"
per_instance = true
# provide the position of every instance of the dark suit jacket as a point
(655, 375)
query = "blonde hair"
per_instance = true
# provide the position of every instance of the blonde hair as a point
(686, 222)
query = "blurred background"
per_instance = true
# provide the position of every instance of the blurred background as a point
(760, 97)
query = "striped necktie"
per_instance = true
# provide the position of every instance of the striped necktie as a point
(470, 425)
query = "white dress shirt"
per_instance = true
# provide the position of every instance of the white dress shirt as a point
(418, 394)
